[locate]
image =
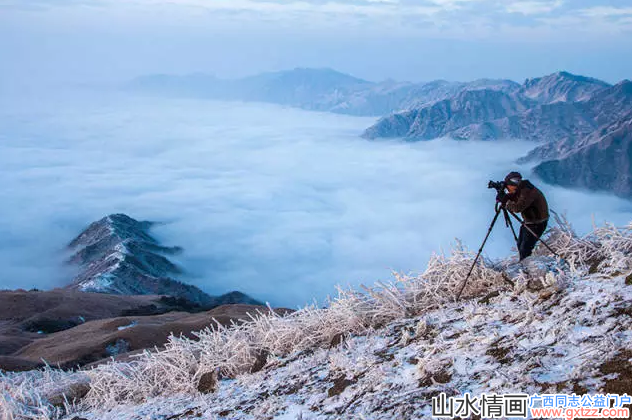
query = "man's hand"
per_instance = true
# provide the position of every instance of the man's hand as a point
(502, 197)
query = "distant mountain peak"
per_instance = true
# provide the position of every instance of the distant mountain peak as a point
(119, 226)
(624, 86)
(580, 78)
(316, 70)
(568, 75)
(316, 76)
(116, 254)
(562, 87)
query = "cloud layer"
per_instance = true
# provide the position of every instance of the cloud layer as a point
(470, 18)
(277, 202)
(73, 41)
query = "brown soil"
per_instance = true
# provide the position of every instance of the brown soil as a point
(499, 352)
(442, 377)
(340, 384)
(95, 336)
(622, 367)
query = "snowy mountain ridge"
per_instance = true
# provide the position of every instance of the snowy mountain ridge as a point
(118, 255)
(544, 326)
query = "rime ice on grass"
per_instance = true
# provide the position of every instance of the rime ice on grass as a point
(384, 352)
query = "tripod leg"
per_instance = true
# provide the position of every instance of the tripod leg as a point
(489, 231)
(533, 233)
(510, 224)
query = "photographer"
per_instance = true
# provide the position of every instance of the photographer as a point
(523, 197)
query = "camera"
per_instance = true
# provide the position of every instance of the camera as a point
(497, 185)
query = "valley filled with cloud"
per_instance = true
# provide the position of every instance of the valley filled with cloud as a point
(279, 202)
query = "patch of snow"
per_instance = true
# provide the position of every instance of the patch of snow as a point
(121, 248)
(99, 283)
(124, 327)
(293, 412)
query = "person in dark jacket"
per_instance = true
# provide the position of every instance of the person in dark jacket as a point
(523, 197)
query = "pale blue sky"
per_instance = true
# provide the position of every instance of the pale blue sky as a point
(81, 40)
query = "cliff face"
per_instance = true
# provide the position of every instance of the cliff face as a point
(603, 163)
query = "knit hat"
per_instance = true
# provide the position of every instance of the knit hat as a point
(513, 178)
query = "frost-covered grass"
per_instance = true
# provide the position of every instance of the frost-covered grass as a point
(605, 250)
(405, 338)
(38, 394)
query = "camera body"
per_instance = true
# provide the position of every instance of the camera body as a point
(497, 185)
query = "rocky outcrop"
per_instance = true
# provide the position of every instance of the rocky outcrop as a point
(542, 123)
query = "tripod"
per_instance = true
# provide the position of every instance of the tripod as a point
(506, 213)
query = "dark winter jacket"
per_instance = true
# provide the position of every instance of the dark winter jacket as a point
(529, 201)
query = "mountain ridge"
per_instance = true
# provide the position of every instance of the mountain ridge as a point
(118, 255)
(542, 96)
(318, 89)
(560, 111)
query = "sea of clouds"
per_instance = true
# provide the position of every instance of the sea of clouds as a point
(280, 203)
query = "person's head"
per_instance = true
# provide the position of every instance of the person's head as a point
(512, 180)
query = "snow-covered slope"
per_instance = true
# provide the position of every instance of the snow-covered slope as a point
(543, 326)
